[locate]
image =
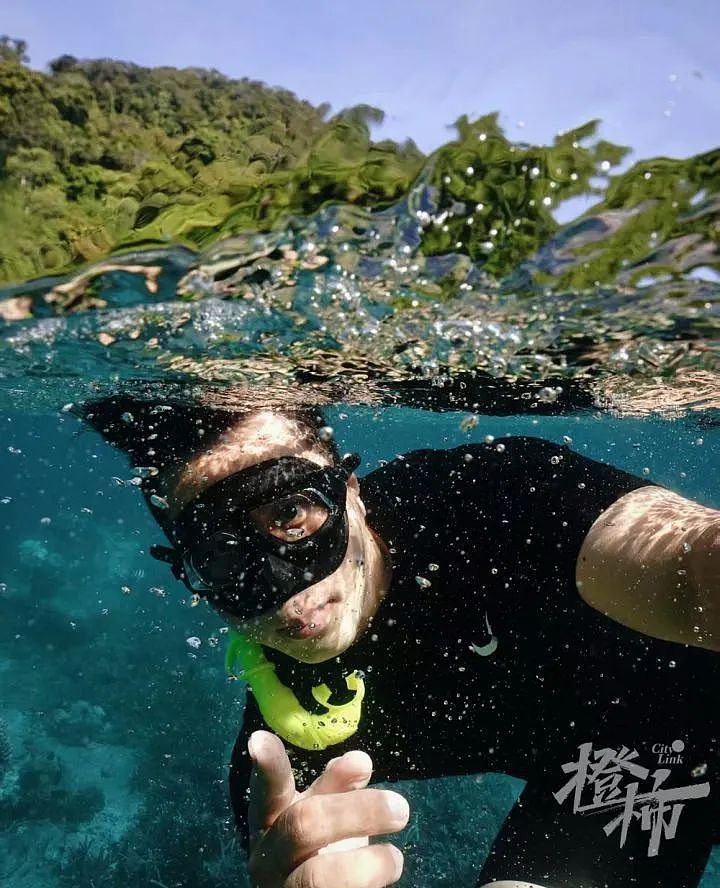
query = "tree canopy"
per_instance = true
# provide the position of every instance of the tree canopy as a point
(101, 154)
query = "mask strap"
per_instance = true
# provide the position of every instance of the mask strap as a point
(350, 462)
(169, 556)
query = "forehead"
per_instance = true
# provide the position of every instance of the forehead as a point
(253, 439)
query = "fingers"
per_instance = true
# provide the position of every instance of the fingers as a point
(371, 867)
(319, 820)
(315, 839)
(350, 771)
(272, 785)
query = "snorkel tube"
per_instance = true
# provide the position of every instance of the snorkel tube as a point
(281, 709)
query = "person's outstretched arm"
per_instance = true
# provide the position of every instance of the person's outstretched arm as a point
(651, 561)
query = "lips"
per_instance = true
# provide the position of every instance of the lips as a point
(304, 630)
(310, 625)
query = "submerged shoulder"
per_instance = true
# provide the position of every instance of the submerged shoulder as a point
(495, 450)
(428, 472)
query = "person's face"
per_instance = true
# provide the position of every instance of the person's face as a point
(324, 619)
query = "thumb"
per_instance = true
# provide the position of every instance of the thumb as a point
(272, 785)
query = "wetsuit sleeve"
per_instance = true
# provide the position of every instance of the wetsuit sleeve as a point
(241, 768)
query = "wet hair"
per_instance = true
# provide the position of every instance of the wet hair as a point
(169, 433)
(165, 435)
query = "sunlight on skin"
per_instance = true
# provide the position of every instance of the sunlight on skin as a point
(345, 601)
(255, 438)
(652, 562)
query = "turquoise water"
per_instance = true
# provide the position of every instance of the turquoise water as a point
(117, 733)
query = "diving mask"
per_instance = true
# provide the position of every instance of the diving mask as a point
(259, 536)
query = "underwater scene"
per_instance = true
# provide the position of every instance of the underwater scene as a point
(177, 246)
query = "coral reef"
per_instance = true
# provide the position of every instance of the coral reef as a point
(5, 749)
(78, 723)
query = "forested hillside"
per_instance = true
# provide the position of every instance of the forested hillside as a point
(97, 153)
(102, 155)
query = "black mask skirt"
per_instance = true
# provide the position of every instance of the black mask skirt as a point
(254, 539)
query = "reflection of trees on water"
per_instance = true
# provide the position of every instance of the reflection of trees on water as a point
(96, 154)
(308, 253)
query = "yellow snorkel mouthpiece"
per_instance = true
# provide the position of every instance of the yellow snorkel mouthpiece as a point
(280, 708)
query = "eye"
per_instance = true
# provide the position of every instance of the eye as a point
(287, 513)
(290, 519)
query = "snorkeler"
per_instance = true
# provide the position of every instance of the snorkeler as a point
(509, 606)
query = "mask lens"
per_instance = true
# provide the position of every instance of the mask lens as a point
(274, 525)
(219, 561)
(292, 518)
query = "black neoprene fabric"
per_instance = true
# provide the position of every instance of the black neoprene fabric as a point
(496, 532)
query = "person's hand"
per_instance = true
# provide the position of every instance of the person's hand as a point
(318, 837)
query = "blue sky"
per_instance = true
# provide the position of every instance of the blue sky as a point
(649, 68)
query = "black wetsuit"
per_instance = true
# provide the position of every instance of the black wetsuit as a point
(494, 532)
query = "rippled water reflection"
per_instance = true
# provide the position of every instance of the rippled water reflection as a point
(374, 305)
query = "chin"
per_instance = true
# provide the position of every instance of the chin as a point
(310, 650)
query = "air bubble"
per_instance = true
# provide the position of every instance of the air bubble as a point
(193, 641)
(548, 395)
(159, 501)
(145, 471)
(423, 582)
(326, 433)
